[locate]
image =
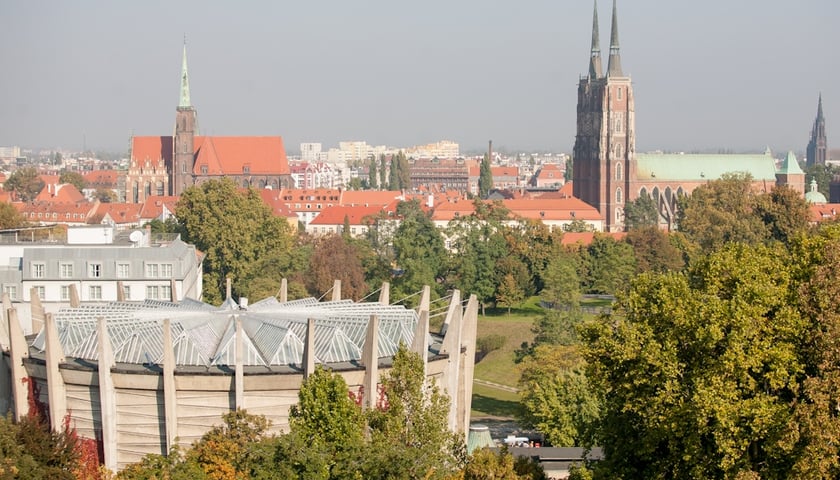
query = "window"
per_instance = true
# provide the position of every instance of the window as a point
(11, 291)
(65, 270)
(618, 124)
(39, 290)
(95, 270)
(127, 292)
(618, 171)
(246, 169)
(165, 292)
(619, 198)
(123, 270)
(158, 292)
(152, 270)
(152, 292)
(204, 169)
(38, 270)
(95, 292)
(65, 293)
(166, 270)
(619, 93)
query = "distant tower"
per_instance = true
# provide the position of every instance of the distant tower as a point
(818, 146)
(185, 131)
(604, 163)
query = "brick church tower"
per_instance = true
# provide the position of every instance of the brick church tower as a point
(604, 166)
(184, 142)
(818, 145)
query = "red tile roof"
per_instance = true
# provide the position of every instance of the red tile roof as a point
(102, 179)
(369, 197)
(120, 213)
(824, 212)
(504, 171)
(355, 214)
(552, 209)
(275, 201)
(62, 193)
(221, 155)
(585, 238)
(153, 206)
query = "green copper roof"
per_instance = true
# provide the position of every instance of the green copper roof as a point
(790, 165)
(814, 196)
(185, 83)
(661, 167)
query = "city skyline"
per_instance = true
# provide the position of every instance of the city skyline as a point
(95, 72)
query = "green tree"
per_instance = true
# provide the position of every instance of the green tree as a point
(74, 178)
(697, 370)
(419, 251)
(159, 467)
(485, 178)
(784, 211)
(610, 265)
(373, 176)
(556, 396)
(562, 283)
(641, 213)
(823, 174)
(10, 217)
(409, 436)
(234, 228)
(578, 226)
(509, 292)
(383, 171)
(231, 450)
(25, 183)
(721, 211)
(486, 464)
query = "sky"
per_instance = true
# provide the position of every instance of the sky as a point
(708, 75)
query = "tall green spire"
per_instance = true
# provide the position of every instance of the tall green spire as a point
(595, 68)
(185, 81)
(614, 67)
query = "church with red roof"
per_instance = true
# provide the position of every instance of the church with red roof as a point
(168, 165)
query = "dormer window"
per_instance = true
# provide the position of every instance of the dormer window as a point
(246, 169)
(204, 169)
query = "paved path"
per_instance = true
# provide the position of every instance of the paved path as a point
(497, 386)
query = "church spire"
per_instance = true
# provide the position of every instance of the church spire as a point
(595, 68)
(614, 67)
(819, 109)
(185, 81)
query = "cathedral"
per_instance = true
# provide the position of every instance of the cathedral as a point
(818, 145)
(168, 165)
(608, 172)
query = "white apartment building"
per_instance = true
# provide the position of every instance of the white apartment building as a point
(100, 262)
(441, 149)
(310, 152)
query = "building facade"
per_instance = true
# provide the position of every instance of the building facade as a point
(168, 165)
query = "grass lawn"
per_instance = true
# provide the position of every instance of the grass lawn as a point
(492, 402)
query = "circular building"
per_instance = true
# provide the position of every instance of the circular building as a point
(141, 377)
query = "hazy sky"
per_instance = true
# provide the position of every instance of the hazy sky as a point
(735, 74)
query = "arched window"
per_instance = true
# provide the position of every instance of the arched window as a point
(680, 192)
(643, 192)
(148, 189)
(135, 192)
(618, 171)
(618, 215)
(656, 194)
(158, 188)
(619, 198)
(669, 196)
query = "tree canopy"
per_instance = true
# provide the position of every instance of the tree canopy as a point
(25, 183)
(74, 178)
(234, 228)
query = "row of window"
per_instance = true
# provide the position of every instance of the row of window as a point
(94, 270)
(153, 292)
(54, 215)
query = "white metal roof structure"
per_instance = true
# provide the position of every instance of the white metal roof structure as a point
(274, 333)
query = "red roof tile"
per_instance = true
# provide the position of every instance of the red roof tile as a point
(369, 197)
(62, 193)
(102, 179)
(355, 214)
(221, 155)
(120, 213)
(153, 206)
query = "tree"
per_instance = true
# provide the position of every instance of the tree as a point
(562, 283)
(578, 226)
(409, 435)
(721, 211)
(25, 183)
(419, 252)
(654, 250)
(485, 464)
(373, 177)
(74, 178)
(231, 450)
(610, 265)
(697, 370)
(336, 258)
(485, 178)
(784, 211)
(509, 292)
(640, 213)
(234, 228)
(556, 396)
(823, 174)
(383, 171)
(10, 217)
(105, 195)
